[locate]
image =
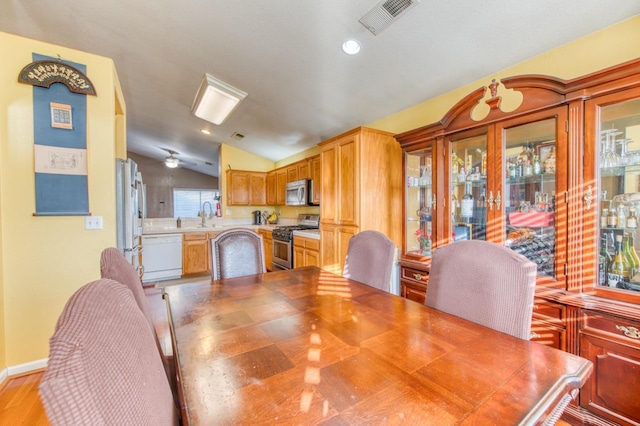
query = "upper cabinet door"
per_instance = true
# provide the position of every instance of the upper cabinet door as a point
(531, 184)
(420, 202)
(613, 133)
(467, 182)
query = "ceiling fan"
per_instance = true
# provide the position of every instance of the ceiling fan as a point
(172, 162)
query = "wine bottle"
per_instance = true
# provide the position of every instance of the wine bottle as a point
(634, 254)
(632, 220)
(549, 164)
(603, 218)
(466, 205)
(537, 167)
(633, 265)
(528, 168)
(612, 219)
(619, 270)
(604, 262)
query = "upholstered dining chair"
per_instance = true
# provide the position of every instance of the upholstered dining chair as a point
(485, 283)
(114, 266)
(370, 259)
(237, 252)
(104, 367)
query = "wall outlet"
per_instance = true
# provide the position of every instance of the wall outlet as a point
(93, 222)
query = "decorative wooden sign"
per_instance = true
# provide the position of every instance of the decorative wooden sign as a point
(46, 72)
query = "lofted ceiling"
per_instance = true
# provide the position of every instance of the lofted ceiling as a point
(286, 55)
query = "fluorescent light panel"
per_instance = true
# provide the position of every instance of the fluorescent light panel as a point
(216, 100)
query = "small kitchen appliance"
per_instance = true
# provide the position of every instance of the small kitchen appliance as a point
(257, 217)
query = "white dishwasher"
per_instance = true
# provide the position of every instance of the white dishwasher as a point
(161, 257)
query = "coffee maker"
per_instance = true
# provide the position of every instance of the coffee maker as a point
(257, 217)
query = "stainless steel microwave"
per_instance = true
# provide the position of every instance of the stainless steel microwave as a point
(299, 193)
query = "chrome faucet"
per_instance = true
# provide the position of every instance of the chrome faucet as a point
(203, 213)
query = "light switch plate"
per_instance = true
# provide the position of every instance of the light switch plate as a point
(93, 222)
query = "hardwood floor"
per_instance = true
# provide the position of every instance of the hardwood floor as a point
(20, 403)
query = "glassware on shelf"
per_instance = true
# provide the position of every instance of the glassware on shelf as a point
(549, 164)
(610, 157)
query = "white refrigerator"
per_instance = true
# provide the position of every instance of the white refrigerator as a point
(129, 209)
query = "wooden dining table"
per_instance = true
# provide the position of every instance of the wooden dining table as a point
(306, 346)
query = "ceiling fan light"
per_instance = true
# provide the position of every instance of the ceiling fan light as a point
(216, 100)
(171, 162)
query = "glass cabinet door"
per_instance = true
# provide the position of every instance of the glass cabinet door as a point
(468, 188)
(618, 184)
(529, 192)
(420, 203)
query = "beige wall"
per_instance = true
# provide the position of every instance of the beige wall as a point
(43, 260)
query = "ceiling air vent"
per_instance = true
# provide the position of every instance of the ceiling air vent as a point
(385, 13)
(237, 136)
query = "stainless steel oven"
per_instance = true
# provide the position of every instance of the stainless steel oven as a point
(283, 240)
(282, 254)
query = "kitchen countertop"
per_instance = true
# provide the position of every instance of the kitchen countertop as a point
(169, 226)
(314, 234)
(217, 228)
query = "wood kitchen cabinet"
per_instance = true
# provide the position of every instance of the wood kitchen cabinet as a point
(246, 188)
(361, 188)
(281, 183)
(334, 244)
(267, 239)
(306, 251)
(315, 168)
(195, 253)
(272, 188)
(584, 136)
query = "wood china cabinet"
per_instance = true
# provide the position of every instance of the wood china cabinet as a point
(361, 190)
(537, 177)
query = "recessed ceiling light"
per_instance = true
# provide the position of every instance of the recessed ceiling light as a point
(205, 131)
(351, 46)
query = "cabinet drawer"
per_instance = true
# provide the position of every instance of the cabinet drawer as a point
(621, 329)
(413, 291)
(307, 243)
(191, 236)
(415, 275)
(548, 335)
(549, 311)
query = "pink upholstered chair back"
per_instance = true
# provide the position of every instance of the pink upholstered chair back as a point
(483, 282)
(104, 367)
(237, 252)
(114, 266)
(370, 259)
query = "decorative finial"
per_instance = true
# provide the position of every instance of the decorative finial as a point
(494, 88)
